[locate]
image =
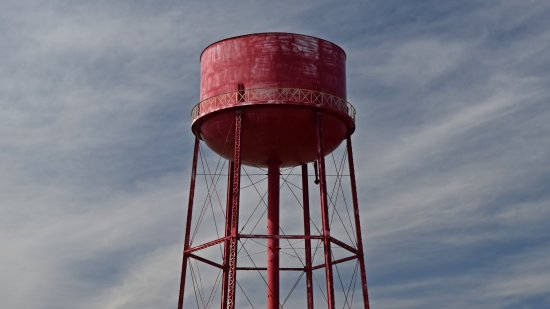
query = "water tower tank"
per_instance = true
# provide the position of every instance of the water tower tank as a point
(273, 100)
(280, 81)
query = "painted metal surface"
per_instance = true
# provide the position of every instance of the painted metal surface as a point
(325, 212)
(286, 135)
(273, 229)
(288, 96)
(360, 251)
(307, 233)
(273, 60)
(186, 242)
(279, 80)
(235, 200)
(228, 224)
(274, 100)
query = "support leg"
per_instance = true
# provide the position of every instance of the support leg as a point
(186, 242)
(307, 241)
(236, 183)
(357, 225)
(325, 214)
(225, 273)
(273, 229)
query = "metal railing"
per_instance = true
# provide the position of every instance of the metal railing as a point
(272, 96)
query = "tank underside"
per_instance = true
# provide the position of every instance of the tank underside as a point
(273, 133)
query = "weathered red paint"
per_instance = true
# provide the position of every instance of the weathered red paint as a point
(273, 61)
(228, 224)
(360, 252)
(274, 100)
(307, 232)
(186, 242)
(272, 301)
(235, 200)
(325, 212)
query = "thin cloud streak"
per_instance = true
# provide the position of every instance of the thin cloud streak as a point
(451, 148)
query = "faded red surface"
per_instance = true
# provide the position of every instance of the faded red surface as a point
(273, 131)
(275, 60)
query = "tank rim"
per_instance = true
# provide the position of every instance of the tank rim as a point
(196, 123)
(270, 33)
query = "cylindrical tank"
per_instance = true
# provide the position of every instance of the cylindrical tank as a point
(280, 82)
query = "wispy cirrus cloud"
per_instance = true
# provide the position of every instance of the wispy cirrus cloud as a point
(451, 148)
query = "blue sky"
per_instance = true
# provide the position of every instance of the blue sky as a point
(452, 145)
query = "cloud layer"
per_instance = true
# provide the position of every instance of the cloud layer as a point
(452, 146)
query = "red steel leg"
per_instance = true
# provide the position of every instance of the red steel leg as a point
(324, 213)
(186, 243)
(357, 225)
(236, 183)
(225, 274)
(307, 240)
(273, 229)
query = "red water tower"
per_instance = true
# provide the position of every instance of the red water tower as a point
(273, 106)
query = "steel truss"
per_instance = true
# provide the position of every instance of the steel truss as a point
(233, 239)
